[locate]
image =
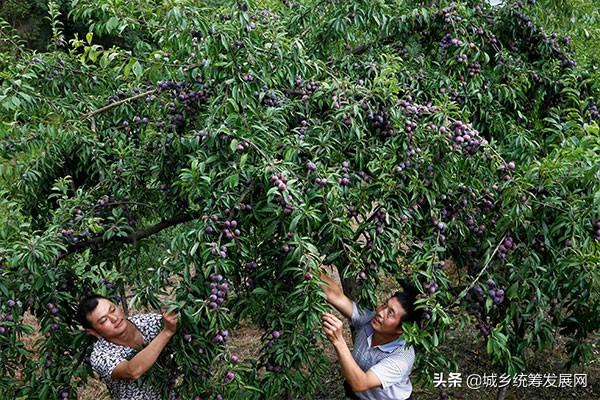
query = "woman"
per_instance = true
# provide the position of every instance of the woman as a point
(379, 366)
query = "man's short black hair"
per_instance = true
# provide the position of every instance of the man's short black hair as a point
(407, 298)
(86, 306)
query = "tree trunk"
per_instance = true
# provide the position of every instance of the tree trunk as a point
(350, 287)
(502, 393)
(121, 287)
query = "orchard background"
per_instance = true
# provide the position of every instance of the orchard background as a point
(214, 155)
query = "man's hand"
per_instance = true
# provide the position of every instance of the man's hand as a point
(358, 379)
(335, 295)
(170, 320)
(333, 328)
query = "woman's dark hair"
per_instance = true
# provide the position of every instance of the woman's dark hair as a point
(407, 298)
(86, 306)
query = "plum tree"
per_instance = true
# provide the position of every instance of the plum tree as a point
(223, 153)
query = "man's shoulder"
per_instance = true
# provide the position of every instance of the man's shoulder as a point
(404, 351)
(360, 316)
(149, 325)
(105, 355)
(101, 346)
(149, 319)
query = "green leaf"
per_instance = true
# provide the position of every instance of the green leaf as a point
(232, 181)
(194, 248)
(138, 70)
(112, 24)
(259, 291)
(129, 66)
(243, 160)
(233, 145)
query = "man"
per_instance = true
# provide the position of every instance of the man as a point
(380, 364)
(114, 355)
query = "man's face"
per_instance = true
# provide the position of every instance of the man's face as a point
(388, 316)
(107, 320)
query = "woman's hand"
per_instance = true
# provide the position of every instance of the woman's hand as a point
(333, 328)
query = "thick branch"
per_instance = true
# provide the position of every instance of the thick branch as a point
(131, 238)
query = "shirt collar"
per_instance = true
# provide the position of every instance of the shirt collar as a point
(386, 347)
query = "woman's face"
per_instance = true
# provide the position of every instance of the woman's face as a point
(388, 316)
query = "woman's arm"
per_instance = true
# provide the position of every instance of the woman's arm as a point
(336, 297)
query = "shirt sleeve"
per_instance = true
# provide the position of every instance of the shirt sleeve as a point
(154, 323)
(360, 316)
(393, 369)
(104, 361)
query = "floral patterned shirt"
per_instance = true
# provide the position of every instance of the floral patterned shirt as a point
(106, 356)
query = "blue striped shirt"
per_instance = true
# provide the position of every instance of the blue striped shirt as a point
(392, 362)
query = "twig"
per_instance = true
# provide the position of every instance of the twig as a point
(117, 103)
(122, 287)
(361, 48)
(320, 3)
(297, 92)
(364, 233)
(120, 203)
(345, 250)
(545, 204)
(370, 219)
(487, 263)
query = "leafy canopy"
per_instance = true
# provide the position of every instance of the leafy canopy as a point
(219, 154)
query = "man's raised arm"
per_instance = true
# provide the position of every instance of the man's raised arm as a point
(145, 359)
(336, 297)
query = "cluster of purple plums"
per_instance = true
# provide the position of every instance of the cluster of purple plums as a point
(465, 138)
(218, 291)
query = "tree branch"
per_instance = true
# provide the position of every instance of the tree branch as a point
(469, 287)
(124, 203)
(129, 239)
(117, 103)
(295, 92)
(364, 225)
(361, 48)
